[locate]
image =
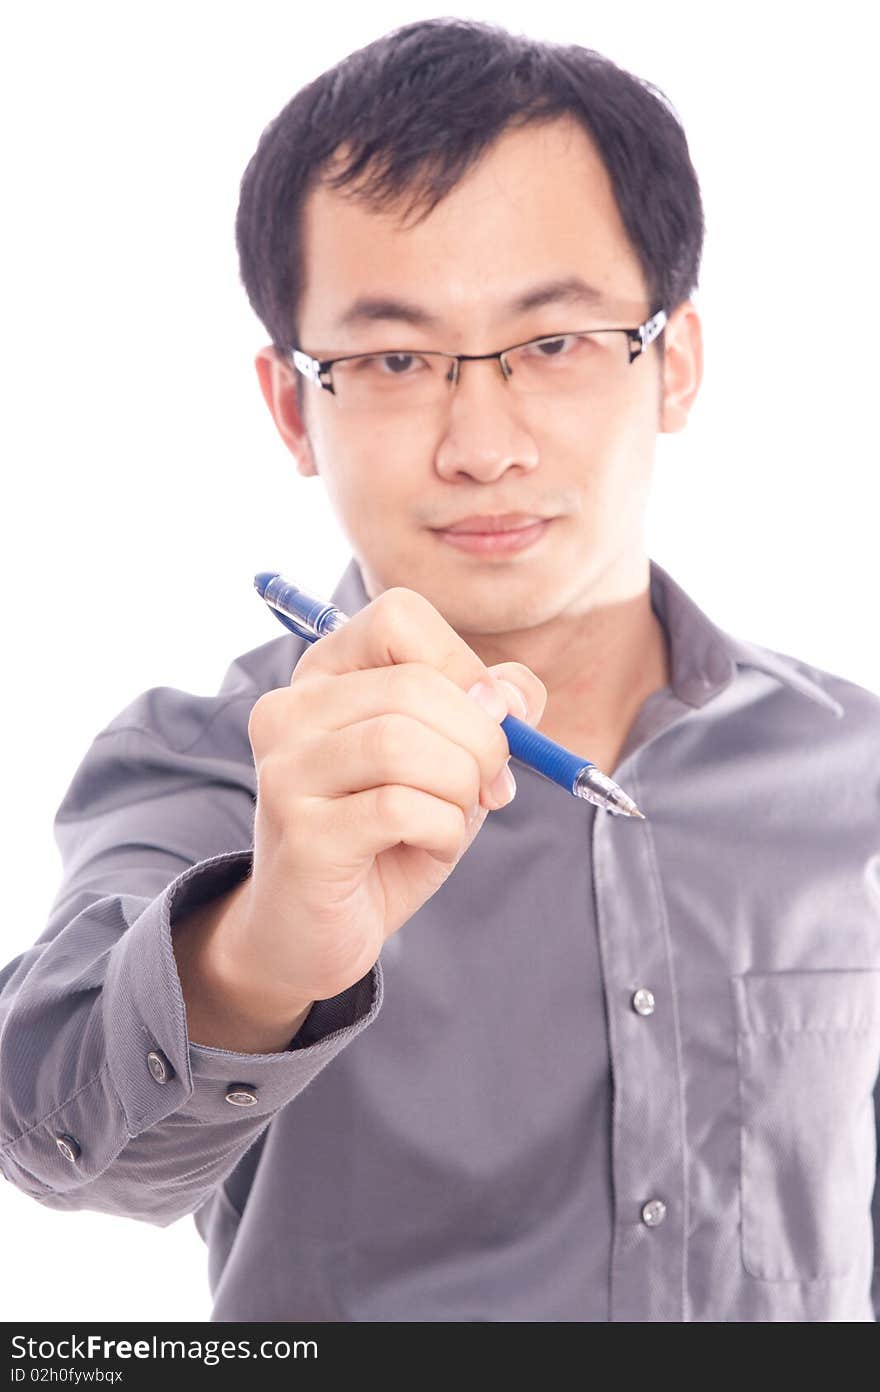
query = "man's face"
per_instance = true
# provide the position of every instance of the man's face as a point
(538, 208)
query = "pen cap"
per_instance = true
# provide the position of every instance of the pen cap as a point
(310, 618)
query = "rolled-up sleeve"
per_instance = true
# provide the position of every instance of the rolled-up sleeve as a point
(105, 1104)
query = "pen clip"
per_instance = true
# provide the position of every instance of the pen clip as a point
(289, 623)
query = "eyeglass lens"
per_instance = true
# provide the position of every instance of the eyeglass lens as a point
(568, 363)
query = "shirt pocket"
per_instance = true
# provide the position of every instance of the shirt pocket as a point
(808, 1053)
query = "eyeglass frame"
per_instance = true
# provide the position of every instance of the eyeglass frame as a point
(320, 370)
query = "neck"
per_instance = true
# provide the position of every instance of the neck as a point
(598, 665)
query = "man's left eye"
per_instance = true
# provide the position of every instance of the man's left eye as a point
(555, 347)
(398, 364)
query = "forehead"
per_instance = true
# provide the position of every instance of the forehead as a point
(538, 206)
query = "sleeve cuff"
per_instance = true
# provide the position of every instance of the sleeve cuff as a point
(145, 1014)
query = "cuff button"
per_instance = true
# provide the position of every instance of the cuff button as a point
(159, 1066)
(69, 1147)
(241, 1095)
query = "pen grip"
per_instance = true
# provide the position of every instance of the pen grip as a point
(543, 754)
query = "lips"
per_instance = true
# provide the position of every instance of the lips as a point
(506, 522)
(499, 543)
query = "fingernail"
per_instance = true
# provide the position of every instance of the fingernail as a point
(520, 699)
(490, 698)
(502, 789)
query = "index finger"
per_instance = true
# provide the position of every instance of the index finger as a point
(399, 625)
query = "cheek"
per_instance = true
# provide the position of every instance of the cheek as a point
(364, 445)
(377, 474)
(366, 484)
(631, 425)
(607, 460)
(600, 448)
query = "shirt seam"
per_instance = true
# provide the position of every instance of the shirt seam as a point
(164, 744)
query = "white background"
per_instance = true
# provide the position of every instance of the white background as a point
(140, 461)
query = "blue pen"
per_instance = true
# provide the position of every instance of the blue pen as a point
(314, 618)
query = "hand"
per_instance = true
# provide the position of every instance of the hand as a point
(375, 771)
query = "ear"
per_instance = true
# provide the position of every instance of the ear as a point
(682, 367)
(278, 384)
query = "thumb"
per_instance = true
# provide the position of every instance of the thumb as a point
(527, 694)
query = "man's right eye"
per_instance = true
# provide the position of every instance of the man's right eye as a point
(398, 364)
(390, 364)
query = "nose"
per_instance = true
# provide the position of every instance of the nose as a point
(485, 431)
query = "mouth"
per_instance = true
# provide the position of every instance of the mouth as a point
(492, 522)
(495, 542)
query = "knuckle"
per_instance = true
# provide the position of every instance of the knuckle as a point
(308, 670)
(459, 828)
(398, 597)
(454, 824)
(388, 738)
(273, 783)
(467, 778)
(408, 681)
(261, 720)
(399, 608)
(499, 751)
(390, 804)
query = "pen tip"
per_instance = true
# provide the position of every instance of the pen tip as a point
(262, 580)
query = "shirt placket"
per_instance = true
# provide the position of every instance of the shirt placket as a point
(648, 1257)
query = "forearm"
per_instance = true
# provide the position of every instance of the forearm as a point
(225, 1008)
(76, 1064)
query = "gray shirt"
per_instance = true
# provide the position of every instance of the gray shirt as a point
(611, 1070)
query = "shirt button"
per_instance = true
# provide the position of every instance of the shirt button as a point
(643, 1001)
(159, 1066)
(653, 1213)
(240, 1095)
(69, 1147)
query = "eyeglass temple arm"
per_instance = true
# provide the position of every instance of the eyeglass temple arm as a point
(646, 333)
(312, 368)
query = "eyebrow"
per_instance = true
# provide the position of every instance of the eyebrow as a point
(369, 309)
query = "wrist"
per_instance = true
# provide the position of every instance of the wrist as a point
(228, 1004)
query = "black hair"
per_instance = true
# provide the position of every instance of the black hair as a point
(415, 109)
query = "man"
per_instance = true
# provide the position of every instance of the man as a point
(404, 1059)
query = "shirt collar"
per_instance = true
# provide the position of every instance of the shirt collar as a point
(704, 659)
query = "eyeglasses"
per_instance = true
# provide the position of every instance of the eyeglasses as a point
(410, 377)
